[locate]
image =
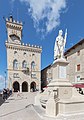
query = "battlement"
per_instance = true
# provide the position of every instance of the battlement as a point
(10, 22)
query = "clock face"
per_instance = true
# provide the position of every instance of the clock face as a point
(14, 37)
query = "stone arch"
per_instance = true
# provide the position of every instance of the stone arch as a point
(24, 86)
(16, 86)
(33, 86)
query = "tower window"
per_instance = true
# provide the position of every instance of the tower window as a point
(24, 53)
(14, 37)
(15, 52)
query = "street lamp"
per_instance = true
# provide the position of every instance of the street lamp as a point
(5, 79)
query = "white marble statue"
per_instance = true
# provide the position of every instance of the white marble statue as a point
(60, 45)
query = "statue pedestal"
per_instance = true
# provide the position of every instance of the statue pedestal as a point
(51, 107)
(66, 100)
(60, 80)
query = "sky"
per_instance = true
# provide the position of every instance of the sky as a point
(42, 19)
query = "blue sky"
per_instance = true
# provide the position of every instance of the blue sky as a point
(41, 21)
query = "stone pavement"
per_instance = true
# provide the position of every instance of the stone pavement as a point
(19, 108)
(22, 107)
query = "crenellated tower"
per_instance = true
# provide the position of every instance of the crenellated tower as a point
(14, 30)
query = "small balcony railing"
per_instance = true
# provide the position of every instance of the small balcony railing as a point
(26, 70)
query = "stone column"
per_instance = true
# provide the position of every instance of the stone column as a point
(20, 88)
(29, 88)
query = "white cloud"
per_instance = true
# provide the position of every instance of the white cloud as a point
(45, 13)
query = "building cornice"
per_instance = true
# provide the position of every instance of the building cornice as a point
(14, 25)
(74, 46)
(23, 47)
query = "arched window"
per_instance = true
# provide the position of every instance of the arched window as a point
(24, 64)
(15, 52)
(24, 53)
(15, 64)
(32, 65)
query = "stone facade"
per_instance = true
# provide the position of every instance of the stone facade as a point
(23, 61)
(75, 69)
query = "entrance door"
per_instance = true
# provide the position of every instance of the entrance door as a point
(24, 87)
(33, 86)
(16, 86)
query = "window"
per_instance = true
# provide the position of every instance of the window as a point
(49, 71)
(24, 53)
(24, 64)
(14, 37)
(16, 75)
(78, 52)
(78, 78)
(78, 67)
(33, 75)
(33, 54)
(15, 64)
(33, 65)
(15, 52)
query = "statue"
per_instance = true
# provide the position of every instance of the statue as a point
(60, 45)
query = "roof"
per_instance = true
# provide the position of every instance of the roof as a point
(74, 46)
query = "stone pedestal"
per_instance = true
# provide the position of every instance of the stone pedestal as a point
(53, 107)
(52, 104)
(66, 100)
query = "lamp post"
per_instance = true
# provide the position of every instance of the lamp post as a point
(5, 79)
(10, 83)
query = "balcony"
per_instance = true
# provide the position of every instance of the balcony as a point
(26, 71)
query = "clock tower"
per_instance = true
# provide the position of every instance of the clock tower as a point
(14, 30)
(23, 60)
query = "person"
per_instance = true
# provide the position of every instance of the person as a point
(60, 45)
(5, 94)
(18, 93)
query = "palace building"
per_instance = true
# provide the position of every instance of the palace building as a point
(23, 61)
